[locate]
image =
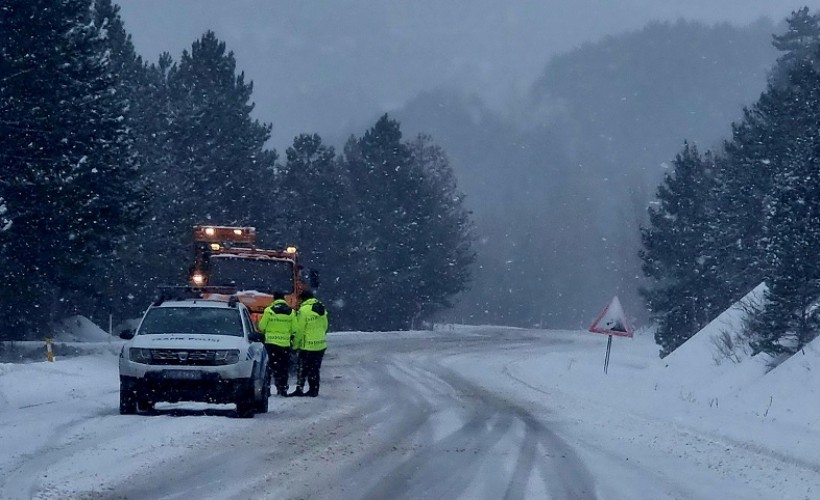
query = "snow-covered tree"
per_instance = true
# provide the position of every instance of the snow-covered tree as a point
(676, 256)
(220, 161)
(442, 232)
(407, 211)
(5, 217)
(377, 165)
(66, 153)
(792, 222)
(310, 206)
(206, 160)
(799, 44)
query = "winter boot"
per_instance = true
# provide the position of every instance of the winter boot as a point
(297, 392)
(282, 391)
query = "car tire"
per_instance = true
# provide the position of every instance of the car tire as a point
(245, 408)
(128, 400)
(262, 404)
(246, 403)
(144, 404)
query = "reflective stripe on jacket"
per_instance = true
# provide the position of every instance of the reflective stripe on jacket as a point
(311, 330)
(278, 323)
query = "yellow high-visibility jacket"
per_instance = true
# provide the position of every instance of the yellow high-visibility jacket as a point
(311, 329)
(278, 323)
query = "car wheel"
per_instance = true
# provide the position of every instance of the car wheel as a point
(262, 403)
(245, 408)
(246, 404)
(143, 404)
(128, 400)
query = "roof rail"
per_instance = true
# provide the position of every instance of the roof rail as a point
(166, 293)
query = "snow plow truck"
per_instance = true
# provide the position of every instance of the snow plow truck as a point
(227, 256)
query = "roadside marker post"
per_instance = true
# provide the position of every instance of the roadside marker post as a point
(49, 351)
(611, 321)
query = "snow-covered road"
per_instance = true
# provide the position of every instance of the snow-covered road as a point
(471, 413)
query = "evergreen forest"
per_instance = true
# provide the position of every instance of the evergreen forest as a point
(746, 212)
(107, 161)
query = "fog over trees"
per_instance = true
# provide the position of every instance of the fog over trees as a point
(559, 185)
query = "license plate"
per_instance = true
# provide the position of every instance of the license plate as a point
(183, 374)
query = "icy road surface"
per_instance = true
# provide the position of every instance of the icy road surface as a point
(462, 414)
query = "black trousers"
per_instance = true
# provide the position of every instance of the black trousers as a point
(300, 373)
(278, 365)
(311, 362)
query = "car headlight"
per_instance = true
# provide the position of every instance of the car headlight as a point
(139, 355)
(226, 357)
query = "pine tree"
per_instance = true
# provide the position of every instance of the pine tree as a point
(442, 231)
(142, 261)
(312, 210)
(69, 172)
(743, 183)
(676, 257)
(792, 224)
(377, 164)
(411, 234)
(210, 163)
(114, 273)
(799, 44)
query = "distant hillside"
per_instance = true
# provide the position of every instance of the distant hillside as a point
(559, 185)
(637, 96)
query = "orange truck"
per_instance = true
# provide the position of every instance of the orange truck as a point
(227, 256)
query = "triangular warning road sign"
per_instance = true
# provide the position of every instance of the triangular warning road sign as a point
(612, 321)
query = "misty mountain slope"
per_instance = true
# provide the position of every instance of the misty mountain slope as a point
(559, 185)
(640, 94)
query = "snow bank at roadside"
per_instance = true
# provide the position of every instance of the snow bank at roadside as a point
(716, 362)
(790, 392)
(32, 384)
(79, 329)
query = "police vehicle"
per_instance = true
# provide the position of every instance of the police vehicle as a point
(188, 348)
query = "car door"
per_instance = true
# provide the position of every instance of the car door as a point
(256, 349)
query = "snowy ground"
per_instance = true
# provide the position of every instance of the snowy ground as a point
(462, 412)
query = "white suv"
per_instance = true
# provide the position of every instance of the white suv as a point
(191, 349)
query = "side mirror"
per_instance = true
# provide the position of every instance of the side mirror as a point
(127, 334)
(256, 337)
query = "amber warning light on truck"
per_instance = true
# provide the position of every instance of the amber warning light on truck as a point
(222, 234)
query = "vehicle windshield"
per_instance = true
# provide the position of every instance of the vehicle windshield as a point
(252, 274)
(205, 320)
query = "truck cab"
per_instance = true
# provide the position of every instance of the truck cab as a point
(228, 256)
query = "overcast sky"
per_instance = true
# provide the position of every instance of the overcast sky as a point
(328, 65)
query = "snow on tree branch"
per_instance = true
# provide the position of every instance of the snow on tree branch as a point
(5, 222)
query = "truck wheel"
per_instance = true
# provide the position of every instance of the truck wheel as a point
(128, 400)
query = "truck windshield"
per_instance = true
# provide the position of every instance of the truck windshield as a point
(205, 320)
(263, 275)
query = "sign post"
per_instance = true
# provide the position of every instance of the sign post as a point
(611, 321)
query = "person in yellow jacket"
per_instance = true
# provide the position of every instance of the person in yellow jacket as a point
(278, 323)
(311, 340)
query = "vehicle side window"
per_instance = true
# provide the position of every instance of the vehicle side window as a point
(246, 321)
